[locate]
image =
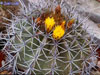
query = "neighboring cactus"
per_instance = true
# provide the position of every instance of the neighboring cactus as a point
(48, 38)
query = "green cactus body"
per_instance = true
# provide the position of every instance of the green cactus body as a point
(37, 52)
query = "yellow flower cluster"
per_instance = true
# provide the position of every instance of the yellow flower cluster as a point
(59, 30)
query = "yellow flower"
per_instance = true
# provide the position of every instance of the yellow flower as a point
(49, 23)
(58, 32)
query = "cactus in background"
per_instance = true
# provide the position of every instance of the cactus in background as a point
(48, 38)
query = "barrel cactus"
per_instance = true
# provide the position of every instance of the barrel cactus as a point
(47, 38)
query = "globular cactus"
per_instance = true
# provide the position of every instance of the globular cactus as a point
(47, 38)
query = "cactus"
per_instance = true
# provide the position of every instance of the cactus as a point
(48, 38)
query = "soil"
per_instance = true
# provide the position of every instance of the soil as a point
(4, 13)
